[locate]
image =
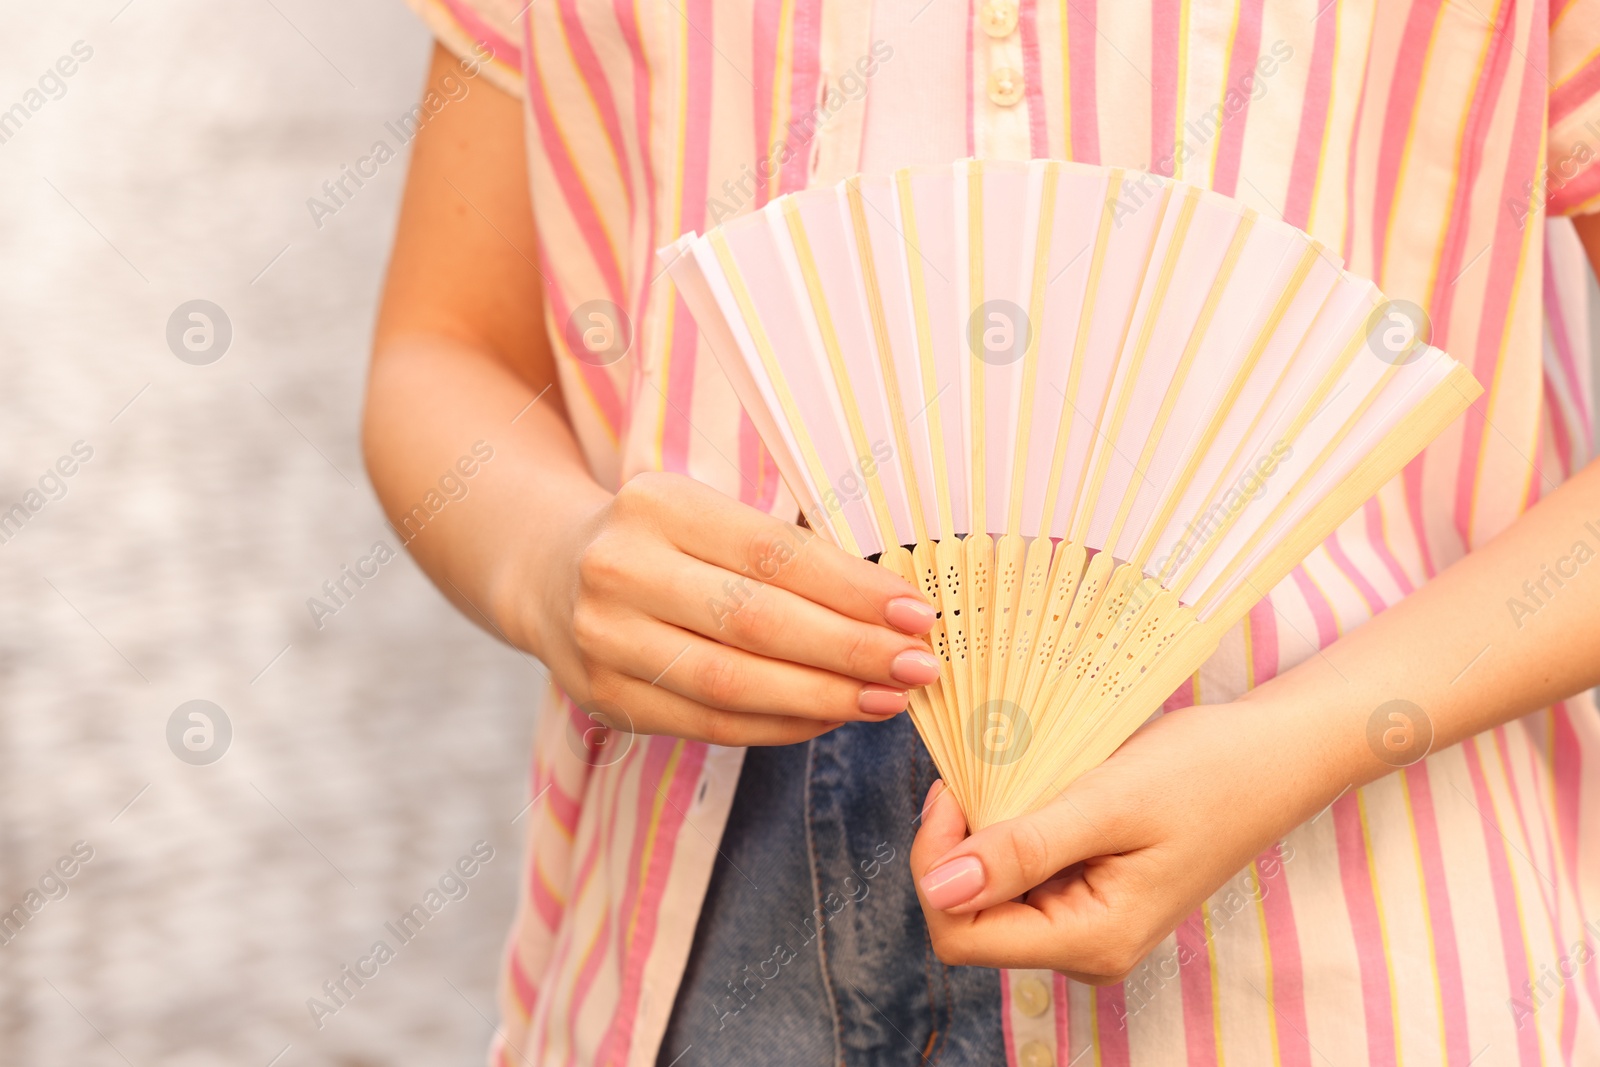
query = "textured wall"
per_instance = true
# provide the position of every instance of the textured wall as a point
(174, 164)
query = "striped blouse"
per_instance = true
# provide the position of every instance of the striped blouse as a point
(1449, 913)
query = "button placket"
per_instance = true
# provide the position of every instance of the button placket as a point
(1032, 1020)
(1000, 127)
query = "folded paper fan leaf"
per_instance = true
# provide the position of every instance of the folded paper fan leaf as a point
(1095, 415)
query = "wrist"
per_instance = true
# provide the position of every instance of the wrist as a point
(1311, 741)
(531, 587)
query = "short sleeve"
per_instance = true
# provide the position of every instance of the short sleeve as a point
(482, 32)
(1573, 155)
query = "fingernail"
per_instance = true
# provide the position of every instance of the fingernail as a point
(933, 794)
(914, 666)
(953, 883)
(881, 700)
(910, 615)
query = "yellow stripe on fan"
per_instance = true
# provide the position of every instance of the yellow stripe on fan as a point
(1208, 438)
(1169, 266)
(841, 377)
(791, 411)
(880, 333)
(1080, 346)
(1180, 373)
(930, 379)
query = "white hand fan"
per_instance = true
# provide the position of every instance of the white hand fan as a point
(1106, 411)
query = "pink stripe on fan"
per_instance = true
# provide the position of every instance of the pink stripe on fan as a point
(1399, 117)
(1505, 254)
(1194, 982)
(1165, 23)
(678, 794)
(1315, 106)
(542, 900)
(1033, 80)
(1241, 64)
(1079, 18)
(1513, 946)
(1441, 917)
(1283, 949)
(1362, 907)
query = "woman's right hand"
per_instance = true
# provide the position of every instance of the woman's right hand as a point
(694, 615)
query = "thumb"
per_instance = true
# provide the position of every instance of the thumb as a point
(1003, 861)
(943, 828)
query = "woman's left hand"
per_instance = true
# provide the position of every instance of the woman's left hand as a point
(1089, 884)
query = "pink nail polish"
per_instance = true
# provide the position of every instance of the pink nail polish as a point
(953, 883)
(881, 700)
(914, 666)
(909, 615)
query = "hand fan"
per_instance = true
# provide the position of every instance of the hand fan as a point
(1094, 415)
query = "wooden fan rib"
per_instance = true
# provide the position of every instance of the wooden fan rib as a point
(823, 316)
(887, 370)
(1180, 375)
(1225, 404)
(924, 332)
(1080, 349)
(844, 537)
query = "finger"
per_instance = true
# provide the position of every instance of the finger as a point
(1005, 860)
(720, 676)
(943, 828)
(738, 538)
(653, 710)
(773, 622)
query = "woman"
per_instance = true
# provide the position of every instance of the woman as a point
(1249, 879)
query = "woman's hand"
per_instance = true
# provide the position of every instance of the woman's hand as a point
(691, 614)
(1092, 882)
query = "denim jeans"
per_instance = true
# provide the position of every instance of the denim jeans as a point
(811, 948)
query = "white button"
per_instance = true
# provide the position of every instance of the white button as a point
(999, 18)
(1005, 86)
(1035, 1054)
(1030, 996)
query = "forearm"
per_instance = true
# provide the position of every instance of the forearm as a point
(430, 400)
(1508, 629)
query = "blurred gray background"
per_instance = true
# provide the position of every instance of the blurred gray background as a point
(366, 756)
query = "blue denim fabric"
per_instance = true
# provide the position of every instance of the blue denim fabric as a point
(811, 948)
